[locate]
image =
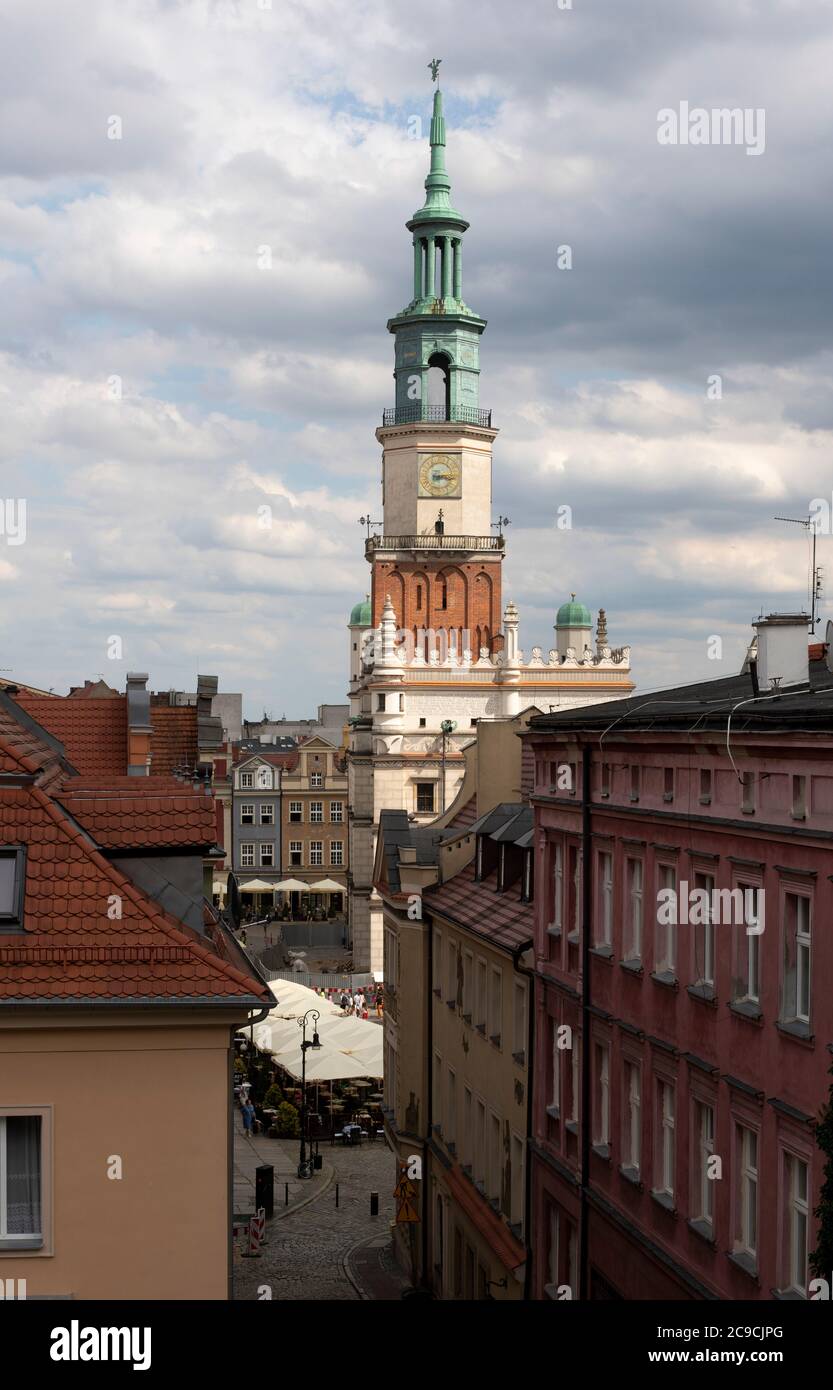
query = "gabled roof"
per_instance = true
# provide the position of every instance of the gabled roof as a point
(501, 918)
(93, 732)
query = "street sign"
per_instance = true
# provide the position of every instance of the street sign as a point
(405, 1193)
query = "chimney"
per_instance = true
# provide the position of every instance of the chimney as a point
(209, 726)
(782, 659)
(139, 728)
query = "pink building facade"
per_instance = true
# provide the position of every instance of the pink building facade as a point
(684, 992)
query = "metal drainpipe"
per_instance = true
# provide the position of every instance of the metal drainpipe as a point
(586, 918)
(530, 1091)
(429, 1032)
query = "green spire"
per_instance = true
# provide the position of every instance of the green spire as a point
(437, 183)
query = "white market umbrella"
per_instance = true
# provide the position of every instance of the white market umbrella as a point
(291, 885)
(257, 885)
(327, 885)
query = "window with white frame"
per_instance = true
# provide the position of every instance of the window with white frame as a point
(797, 979)
(296, 812)
(702, 1194)
(451, 971)
(555, 1089)
(575, 883)
(247, 779)
(336, 811)
(575, 1080)
(247, 813)
(632, 1118)
(562, 1252)
(247, 856)
(519, 1023)
(493, 1186)
(316, 779)
(634, 880)
(21, 1181)
(666, 1139)
(796, 1192)
(601, 1097)
(337, 853)
(296, 854)
(494, 1025)
(316, 812)
(516, 1214)
(665, 938)
(746, 978)
(267, 813)
(468, 984)
(703, 931)
(480, 1144)
(605, 930)
(12, 887)
(316, 853)
(557, 887)
(482, 994)
(746, 1191)
(267, 855)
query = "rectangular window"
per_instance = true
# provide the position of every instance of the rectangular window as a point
(746, 1191)
(746, 979)
(247, 813)
(632, 1119)
(450, 1127)
(336, 812)
(482, 1001)
(557, 887)
(519, 1024)
(468, 984)
(555, 1091)
(316, 853)
(634, 876)
(425, 798)
(21, 1181)
(636, 771)
(296, 812)
(562, 1253)
(748, 793)
(295, 854)
(437, 973)
(798, 1211)
(316, 779)
(247, 856)
(605, 780)
(437, 1117)
(451, 972)
(668, 784)
(601, 1099)
(494, 1025)
(575, 1080)
(799, 806)
(605, 919)
(666, 924)
(267, 856)
(247, 779)
(267, 813)
(665, 1139)
(702, 1196)
(468, 1117)
(704, 932)
(480, 1146)
(705, 786)
(12, 880)
(316, 812)
(796, 988)
(391, 959)
(575, 893)
(337, 853)
(516, 1215)
(493, 1188)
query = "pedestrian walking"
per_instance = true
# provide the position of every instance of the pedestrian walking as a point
(248, 1115)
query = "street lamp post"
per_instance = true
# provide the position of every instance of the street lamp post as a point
(304, 1168)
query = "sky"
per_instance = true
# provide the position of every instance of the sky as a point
(202, 236)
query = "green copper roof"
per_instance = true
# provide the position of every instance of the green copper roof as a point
(573, 614)
(437, 205)
(360, 616)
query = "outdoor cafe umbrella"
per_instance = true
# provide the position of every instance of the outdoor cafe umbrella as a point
(257, 885)
(327, 885)
(291, 885)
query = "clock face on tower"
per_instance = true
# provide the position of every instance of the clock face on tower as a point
(440, 475)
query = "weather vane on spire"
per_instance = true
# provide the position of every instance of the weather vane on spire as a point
(434, 65)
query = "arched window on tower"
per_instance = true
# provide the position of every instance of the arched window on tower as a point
(442, 594)
(439, 386)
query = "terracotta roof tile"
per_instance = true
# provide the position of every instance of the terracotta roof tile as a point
(500, 917)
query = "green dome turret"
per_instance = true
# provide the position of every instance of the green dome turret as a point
(360, 615)
(573, 614)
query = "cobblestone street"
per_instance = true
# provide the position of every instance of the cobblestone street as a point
(315, 1249)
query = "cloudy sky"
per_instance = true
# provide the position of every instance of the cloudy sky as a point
(159, 383)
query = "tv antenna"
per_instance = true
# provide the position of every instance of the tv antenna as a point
(810, 527)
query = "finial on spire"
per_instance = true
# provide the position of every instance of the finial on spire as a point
(434, 65)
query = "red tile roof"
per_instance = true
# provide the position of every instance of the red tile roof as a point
(465, 817)
(174, 739)
(499, 917)
(153, 817)
(93, 732)
(71, 950)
